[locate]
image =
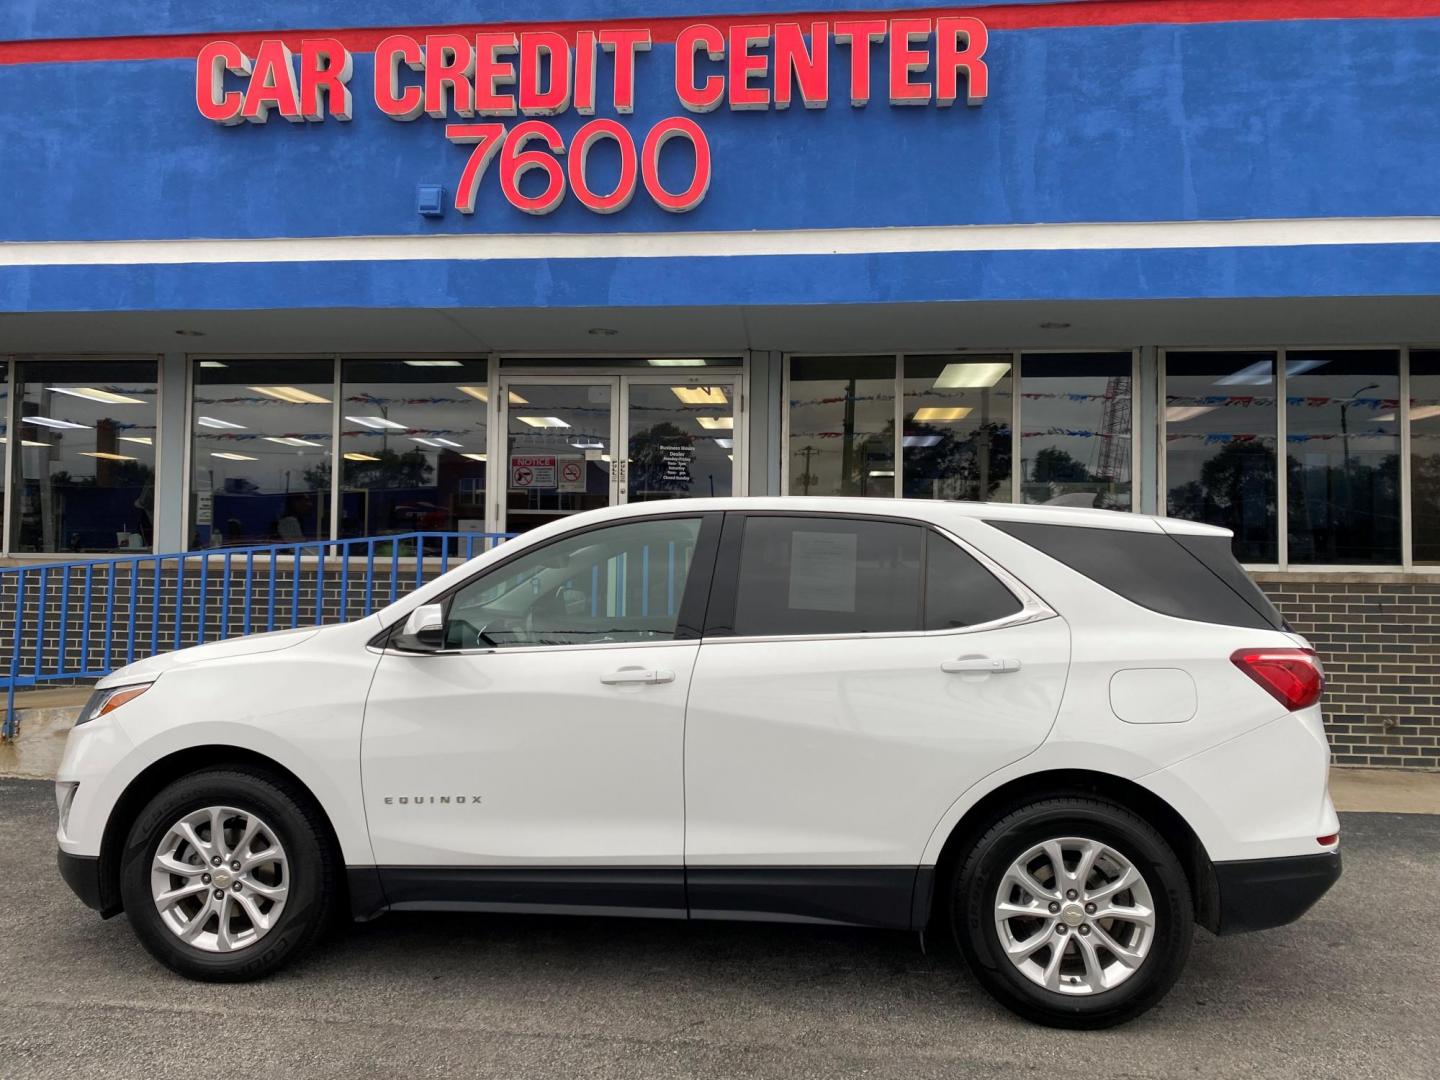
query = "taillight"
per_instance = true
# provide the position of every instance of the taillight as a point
(1292, 676)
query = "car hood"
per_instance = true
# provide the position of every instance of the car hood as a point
(153, 666)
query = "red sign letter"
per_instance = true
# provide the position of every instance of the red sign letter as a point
(625, 44)
(325, 67)
(793, 64)
(272, 85)
(950, 57)
(660, 134)
(906, 60)
(389, 98)
(743, 67)
(698, 99)
(534, 49)
(491, 73)
(449, 63)
(860, 36)
(585, 72)
(211, 97)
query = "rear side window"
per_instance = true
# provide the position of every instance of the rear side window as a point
(827, 576)
(1173, 575)
(959, 591)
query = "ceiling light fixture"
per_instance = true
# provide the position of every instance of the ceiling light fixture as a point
(716, 423)
(542, 421)
(882, 472)
(105, 456)
(433, 363)
(934, 415)
(1178, 414)
(920, 440)
(228, 456)
(143, 440)
(670, 361)
(353, 456)
(210, 363)
(588, 444)
(292, 395)
(700, 395)
(45, 421)
(971, 376)
(378, 423)
(289, 440)
(25, 442)
(724, 444)
(474, 457)
(89, 393)
(211, 422)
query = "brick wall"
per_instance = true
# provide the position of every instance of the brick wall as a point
(1379, 638)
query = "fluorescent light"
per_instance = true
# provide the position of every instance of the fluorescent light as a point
(1422, 412)
(515, 399)
(671, 362)
(1260, 373)
(447, 442)
(971, 376)
(434, 363)
(1178, 414)
(26, 442)
(211, 422)
(211, 363)
(105, 456)
(700, 395)
(89, 393)
(379, 423)
(143, 440)
(1300, 367)
(716, 423)
(426, 442)
(724, 444)
(45, 421)
(481, 393)
(360, 457)
(589, 444)
(228, 456)
(920, 440)
(290, 440)
(882, 472)
(542, 421)
(291, 394)
(474, 457)
(941, 416)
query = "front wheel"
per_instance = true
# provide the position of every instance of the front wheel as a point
(1073, 912)
(228, 874)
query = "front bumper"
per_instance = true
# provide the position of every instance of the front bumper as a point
(1257, 894)
(82, 874)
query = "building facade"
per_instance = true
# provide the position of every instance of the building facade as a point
(321, 269)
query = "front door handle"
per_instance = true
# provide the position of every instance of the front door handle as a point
(980, 665)
(630, 675)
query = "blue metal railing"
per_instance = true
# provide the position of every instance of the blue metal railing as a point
(84, 619)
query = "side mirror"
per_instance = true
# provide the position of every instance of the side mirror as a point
(424, 630)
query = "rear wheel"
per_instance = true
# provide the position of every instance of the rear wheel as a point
(228, 874)
(1073, 912)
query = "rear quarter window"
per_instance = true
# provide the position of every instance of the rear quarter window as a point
(1189, 577)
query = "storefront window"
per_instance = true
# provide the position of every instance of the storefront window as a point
(956, 441)
(86, 445)
(412, 446)
(1343, 456)
(261, 470)
(1220, 422)
(1425, 454)
(842, 425)
(1075, 447)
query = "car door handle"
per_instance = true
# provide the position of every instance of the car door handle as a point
(980, 665)
(628, 675)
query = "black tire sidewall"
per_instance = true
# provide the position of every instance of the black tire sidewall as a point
(978, 878)
(307, 901)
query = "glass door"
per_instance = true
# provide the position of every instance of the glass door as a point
(682, 439)
(559, 441)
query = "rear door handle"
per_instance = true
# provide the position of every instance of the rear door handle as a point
(631, 675)
(980, 665)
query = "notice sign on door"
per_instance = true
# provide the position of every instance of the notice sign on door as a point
(572, 474)
(533, 471)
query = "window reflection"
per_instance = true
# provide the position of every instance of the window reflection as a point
(842, 425)
(682, 441)
(412, 446)
(1343, 456)
(86, 443)
(1425, 454)
(957, 427)
(261, 470)
(1075, 447)
(1220, 423)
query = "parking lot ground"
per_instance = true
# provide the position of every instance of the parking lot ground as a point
(1350, 992)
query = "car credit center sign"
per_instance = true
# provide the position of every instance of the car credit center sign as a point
(477, 82)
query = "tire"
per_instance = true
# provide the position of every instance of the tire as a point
(284, 902)
(1090, 987)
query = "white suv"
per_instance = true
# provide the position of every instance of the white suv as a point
(1061, 737)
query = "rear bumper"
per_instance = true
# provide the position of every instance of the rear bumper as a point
(1257, 894)
(82, 874)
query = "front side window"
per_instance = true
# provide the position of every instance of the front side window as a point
(85, 436)
(262, 451)
(959, 591)
(620, 584)
(809, 576)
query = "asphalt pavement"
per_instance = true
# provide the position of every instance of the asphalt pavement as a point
(1351, 991)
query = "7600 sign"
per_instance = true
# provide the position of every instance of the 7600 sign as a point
(518, 158)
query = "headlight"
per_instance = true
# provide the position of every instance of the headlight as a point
(105, 701)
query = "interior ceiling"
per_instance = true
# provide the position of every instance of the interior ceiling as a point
(820, 328)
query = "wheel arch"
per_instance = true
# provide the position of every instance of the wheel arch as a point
(165, 770)
(1060, 782)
